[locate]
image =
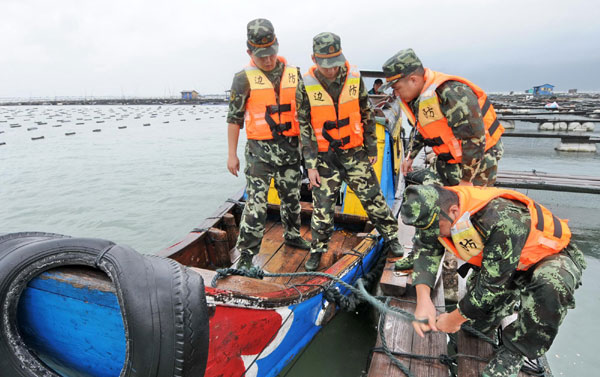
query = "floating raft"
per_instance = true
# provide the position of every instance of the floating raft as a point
(550, 182)
(399, 333)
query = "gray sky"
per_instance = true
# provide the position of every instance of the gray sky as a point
(157, 48)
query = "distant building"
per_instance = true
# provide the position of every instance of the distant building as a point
(189, 94)
(543, 90)
(572, 91)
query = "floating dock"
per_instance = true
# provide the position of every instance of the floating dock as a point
(546, 181)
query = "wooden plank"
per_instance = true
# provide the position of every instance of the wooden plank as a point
(335, 244)
(271, 242)
(286, 259)
(392, 282)
(218, 247)
(544, 174)
(232, 229)
(401, 337)
(395, 283)
(551, 182)
(433, 344)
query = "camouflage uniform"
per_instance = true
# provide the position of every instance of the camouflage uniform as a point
(277, 158)
(545, 291)
(336, 166)
(459, 105)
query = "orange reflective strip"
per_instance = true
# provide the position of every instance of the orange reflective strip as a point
(324, 56)
(263, 45)
(398, 76)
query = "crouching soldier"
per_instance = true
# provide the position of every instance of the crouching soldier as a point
(520, 252)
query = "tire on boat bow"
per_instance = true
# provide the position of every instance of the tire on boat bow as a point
(162, 303)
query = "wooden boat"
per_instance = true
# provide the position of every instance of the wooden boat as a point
(71, 318)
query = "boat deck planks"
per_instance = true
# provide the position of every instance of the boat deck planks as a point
(340, 241)
(271, 242)
(286, 258)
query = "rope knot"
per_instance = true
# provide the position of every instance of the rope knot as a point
(254, 272)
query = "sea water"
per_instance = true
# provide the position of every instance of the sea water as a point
(145, 176)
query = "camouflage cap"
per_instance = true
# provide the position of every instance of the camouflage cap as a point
(421, 207)
(327, 49)
(403, 63)
(261, 38)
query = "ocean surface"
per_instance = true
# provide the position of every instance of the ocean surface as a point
(146, 175)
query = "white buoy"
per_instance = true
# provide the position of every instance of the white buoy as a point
(575, 126)
(507, 124)
(546, 126)
(576, 147)
(589, 126)
(560, 126)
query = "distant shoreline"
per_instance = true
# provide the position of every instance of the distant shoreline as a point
(115, 101)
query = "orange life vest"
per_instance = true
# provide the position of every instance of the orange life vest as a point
(548, 234)
(433, 125)
(265, 116)
(339, 128)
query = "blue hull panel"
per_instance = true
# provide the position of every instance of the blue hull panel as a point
(78, 331)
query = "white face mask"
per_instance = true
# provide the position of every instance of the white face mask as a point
(465, 237)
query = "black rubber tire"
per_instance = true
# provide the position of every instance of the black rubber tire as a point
(163, 304)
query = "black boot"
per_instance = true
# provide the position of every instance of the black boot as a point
(298, 242)
(394, 249)
(313, 262)
(245, 261)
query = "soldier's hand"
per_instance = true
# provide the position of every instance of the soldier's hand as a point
(373, 160)
(406, 166)
(314, 178)
(465, 183)
(233, 165)
(450, 322)
(425, 311)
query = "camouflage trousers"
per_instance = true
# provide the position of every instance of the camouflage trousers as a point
(353, 167)
(545, 292)
(445, 174)
(288, 179)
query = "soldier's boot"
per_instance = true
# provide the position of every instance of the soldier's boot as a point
(298, 242)
(405, 263)
(313, 262)
(504, 364)
(394, 249)
(245, 261)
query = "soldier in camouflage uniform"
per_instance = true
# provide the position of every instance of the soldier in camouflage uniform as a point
(278, 157)
(459, 105)
(545, 290)
(328, 169)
